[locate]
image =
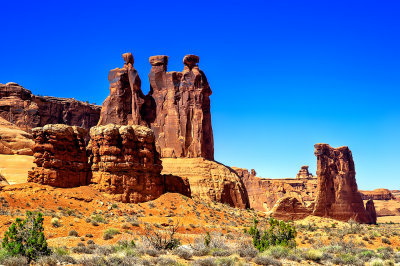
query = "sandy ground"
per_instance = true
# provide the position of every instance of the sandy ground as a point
(15, 167)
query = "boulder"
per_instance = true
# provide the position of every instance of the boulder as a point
(60, 156)
(337, 192)
(125, 163)
(209, 180)
(290, 208)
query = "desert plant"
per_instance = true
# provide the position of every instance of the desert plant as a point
(278, 233)
(55, 222)
(314, 255)
(73, 233)
(265, 260)
(26, 237)
(161, 238)
(110, 233)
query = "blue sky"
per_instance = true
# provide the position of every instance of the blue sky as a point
(285, 74)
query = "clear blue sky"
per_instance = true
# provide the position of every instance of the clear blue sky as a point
(285, 74)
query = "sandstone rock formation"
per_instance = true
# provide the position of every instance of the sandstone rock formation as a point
(290, 208)
(177, 107)
(303, 173)
(122, 106)
(20, 107)
(337, 192)
(13, 140)
(3, 180)
(377, 194)
(370, 208)
(60, 156)
(125, 162)
(209, 180)
(263, 193)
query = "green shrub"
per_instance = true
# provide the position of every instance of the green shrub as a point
(110, 233)
(73, 233)
(278, 233)
(26, 237)
(314, 255)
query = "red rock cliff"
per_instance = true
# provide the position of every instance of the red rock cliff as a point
(20, 107)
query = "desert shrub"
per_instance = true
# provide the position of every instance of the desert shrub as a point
(15, 261)
(265, 260)
(104, 250)
(89, 235)
(73, 233)
(82, 250)
(350, 259)
(314, 255)
(278, 233)
(210, 261)
(386, 240)
(184, 253)
(376, 262)
(55, 259)
(221, 252)
(110, 233)
(92, 261)
(98, 218)
(26, 237)
(55, 222)
(164, 261)
(245, 249)
(226, 261)
(62, 251)
(161, 238)
(278, 252)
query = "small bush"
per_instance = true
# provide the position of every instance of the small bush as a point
(278, 233)
(264, 260)
(386, 240)
(184, 253)
(55, 222)
(82, 250)
(26, 237)
(15, 261)
(73, 233)
(221, 253)
(161, 238)
(278, 252)
(205, 262)
(110, 233)
(314, 255)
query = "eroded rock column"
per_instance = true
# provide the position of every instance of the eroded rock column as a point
(60, 156)
(337, 192)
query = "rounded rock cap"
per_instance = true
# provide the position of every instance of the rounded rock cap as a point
(128, 58)
(157, 60)
(191, 59)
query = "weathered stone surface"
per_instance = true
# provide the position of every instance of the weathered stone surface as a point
(263, 193)
(20, 107)
(60, 156)
(177, 107)
(303, 173)
(337, 192)
(177, 184)
(3, 180)
(125, 162)
(209, 180)
(13, 140)
(370, 208)
(377, 194)
(290, 208)
(122, 106)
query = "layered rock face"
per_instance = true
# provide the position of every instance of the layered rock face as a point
(377, 194)
(177, 107)
(337, 192)
(20, 107)
(303, 173)
(13, 140)
(263, 193)
(60, 156)
(125, 162)
(209, 181)
(290, 208)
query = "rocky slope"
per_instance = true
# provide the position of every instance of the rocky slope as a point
(13, 140)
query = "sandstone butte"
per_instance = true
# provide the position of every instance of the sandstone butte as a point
(337, 192)
(377, 194)
(26, 111)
